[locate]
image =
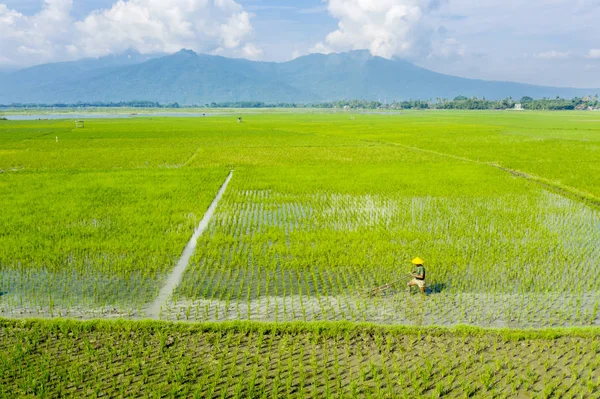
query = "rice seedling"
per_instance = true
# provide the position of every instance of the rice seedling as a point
(241, 359)
(101, 241)
(317, 264)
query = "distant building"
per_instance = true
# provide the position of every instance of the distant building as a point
(518, 107)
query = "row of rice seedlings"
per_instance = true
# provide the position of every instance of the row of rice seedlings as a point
(40, 292)
(267, 254)
(241, 360)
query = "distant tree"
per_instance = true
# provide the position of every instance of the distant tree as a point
(508, 103)
(526, 99)
(460, 98)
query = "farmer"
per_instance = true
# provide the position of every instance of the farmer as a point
(418, 275)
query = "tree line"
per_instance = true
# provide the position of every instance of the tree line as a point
(459, 102)
(94, 104)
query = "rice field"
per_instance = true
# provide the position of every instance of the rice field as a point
(321, 208)
(282, 256)
(96, 239)
(298, 360)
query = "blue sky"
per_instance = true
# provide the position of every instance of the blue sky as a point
(550, 42)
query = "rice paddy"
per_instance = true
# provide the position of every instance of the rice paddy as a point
(323, 360)
(321, 208)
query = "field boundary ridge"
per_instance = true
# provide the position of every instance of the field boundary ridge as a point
(325, 328)
(557, 188)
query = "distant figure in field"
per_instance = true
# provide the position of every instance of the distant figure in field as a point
(240, 119)
(418, 275)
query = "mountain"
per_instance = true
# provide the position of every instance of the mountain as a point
(357, 74)
(190, 78)
(46, 83)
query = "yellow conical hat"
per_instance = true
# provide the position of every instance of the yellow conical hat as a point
(417, 261)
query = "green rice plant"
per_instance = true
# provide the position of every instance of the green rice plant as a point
(487, 378)
(315, 215)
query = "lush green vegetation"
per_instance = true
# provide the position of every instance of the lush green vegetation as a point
(95, 104)
(320, 209)
(322, 360)
(97, 238)
(459, 102)
(307, 247)
(503, 207)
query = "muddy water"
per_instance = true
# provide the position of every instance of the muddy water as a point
(174, 278)
(483, 310)
(504, 311)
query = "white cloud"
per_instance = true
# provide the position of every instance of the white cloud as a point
(320, 48)
(447, 48)
(296, 54)
(41, 37)
(251, 51)
(553, 55)
(502, 40)
(212, 26)
(165, 26)
(387, 28)
(594, 54)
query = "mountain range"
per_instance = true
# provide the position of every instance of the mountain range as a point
(190, 78)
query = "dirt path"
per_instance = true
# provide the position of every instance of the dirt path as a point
(173, 280)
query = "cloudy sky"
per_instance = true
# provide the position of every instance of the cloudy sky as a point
(550, 42)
